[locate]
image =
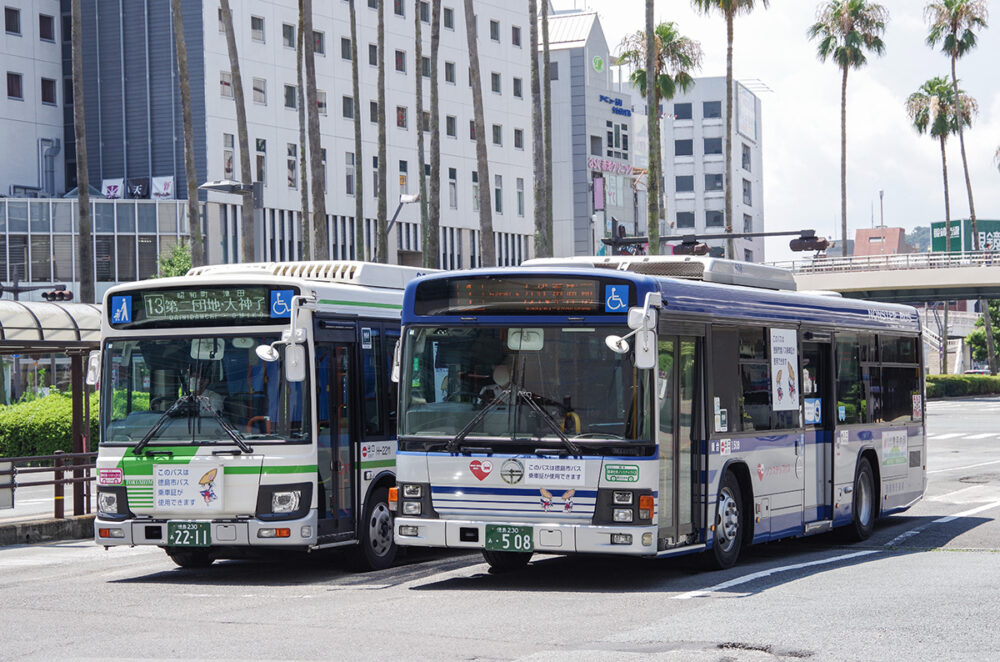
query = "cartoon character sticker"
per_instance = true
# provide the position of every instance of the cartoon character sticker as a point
(207, 483)
(547, 498)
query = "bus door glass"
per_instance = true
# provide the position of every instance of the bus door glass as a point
(819, 412)
(335, 395)
(676, 385)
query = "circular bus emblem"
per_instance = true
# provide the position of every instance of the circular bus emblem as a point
(512, 471)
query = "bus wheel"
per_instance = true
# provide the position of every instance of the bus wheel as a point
(506, 561)
(376, 548)
(190, 558)
(728, 525)
(863, 508)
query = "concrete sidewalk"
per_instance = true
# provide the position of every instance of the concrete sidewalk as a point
(46, 530)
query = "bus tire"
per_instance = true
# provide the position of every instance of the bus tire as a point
(729, 525)
(506, 561)
(191, 558)
(376, 548)
(863, 503)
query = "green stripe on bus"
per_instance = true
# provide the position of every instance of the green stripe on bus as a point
(364, 304)
(378, 463)
(291, 469)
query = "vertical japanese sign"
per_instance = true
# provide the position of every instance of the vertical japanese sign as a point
(784, 370)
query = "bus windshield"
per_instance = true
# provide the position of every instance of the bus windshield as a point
(198, 390)
(515, 384)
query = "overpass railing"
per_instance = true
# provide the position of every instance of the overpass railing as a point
(902, 261)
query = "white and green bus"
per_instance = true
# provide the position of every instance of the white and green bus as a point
(249, 407)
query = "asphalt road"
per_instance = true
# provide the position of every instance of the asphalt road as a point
(924, 587)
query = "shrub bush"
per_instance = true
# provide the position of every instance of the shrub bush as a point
(42, 426)
(952, 386)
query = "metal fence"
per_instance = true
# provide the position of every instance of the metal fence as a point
(79, 465)
(901, 261)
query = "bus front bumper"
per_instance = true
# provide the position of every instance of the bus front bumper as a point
(547, 537)
(221, 533)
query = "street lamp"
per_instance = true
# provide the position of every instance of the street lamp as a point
(404, 199)
(234, 187)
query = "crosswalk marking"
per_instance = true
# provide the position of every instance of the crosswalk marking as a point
(982, 436)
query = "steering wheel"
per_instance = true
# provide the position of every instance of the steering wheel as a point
(457, 395)
(160, 401)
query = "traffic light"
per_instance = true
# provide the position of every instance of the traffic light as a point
(57, 295)
(690, 247)
(808, 241)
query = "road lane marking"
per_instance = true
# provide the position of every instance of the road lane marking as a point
(985, 435)
(967, 513)
(947, 497)
(967, 466)
(947, 435)
(767, 573)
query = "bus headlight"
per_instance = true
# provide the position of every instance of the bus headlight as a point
(622, 497)
(411, 507)
(285, 502)
(107, 503)
(411, 491)
(623, 514)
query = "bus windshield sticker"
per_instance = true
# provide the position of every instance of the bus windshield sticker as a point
(814, 409)
(366, 338)
(121, 310)
(615, 298)
(784, 366)
(281, 303)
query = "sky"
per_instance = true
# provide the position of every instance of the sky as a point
(801, 114)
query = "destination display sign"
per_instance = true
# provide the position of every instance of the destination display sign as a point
(523, 294)
(201, 306)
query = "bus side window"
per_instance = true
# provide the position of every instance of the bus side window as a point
(370, 361)
(388, 347)
(850, 399)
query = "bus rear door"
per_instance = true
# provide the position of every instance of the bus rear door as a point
(819, 412)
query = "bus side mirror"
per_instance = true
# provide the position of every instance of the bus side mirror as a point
(295, 362)
(93, 368)
(645, 349)
(396, 354)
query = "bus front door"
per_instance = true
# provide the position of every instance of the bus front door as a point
(335, 389)
(677, 382)
(819, 409)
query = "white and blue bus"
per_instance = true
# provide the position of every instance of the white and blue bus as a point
(650, 406)
(248, 407)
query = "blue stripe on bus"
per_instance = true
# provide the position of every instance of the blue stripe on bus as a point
(441, 489)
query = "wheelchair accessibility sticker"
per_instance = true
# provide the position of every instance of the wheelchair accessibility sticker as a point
(281, 303)
(615, 298)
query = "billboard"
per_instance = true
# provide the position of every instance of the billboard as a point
(961, 235)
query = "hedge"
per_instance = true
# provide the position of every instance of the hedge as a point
(950, 386)
(42, 426)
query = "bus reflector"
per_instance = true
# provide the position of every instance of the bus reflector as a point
(110, 533)
(274, 533)
(393, 496)
(646, 506)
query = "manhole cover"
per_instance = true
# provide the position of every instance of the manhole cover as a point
(979, 479)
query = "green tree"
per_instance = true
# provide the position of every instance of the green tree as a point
(673, 58)
(543, 242)
(977, 338)
(730, 9)
(847, 30)
(418, 76)
(919, 238)
(487, 249)
(190, 172)
(177, 262)
(86, 246)
(432, 258)
(321, 236)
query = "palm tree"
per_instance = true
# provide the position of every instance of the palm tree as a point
(547, 123)
(241, 132)
(305, 221)
(86, 246)
(381, 241)
(953, 25)
(418, 75)
(431, 253)
(933, 108)
(359, 198)
(543, 242)
(487, 250)
(190, 173)
(675, 58)
(846, 29)
(321, 245)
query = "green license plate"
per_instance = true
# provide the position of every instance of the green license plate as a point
(506, 538)
(189, 534)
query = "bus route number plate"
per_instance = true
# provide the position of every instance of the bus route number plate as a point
(189, 534)
(507, 538)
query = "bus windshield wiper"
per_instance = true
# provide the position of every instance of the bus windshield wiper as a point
(160, 422)
(203, 403)
(547, 418)
(499, 399)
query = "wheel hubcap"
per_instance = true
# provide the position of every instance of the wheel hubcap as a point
(380, 529)
(727, 521)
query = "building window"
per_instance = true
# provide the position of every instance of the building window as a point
(448, 17)
(451, 126)
(46, 27)
(425, 123)
(260, 91)
(257, 28)
(403, 176)
(425, 66)
(475, 190)
(222, 22)
(401, 61)
(498, 134)
(12, 20)
(449, 72)
(518, 138)
(495, 82)
(684, 183)
(373, 112)
(713, 145)
(349, 173)
(714, 218)
(682, 111)
(293, 165)
(345, 48)
(498, 194)
(747, 255)
(711, 110)
(495, 30)
(685, 219)
(515, 35)
(401, 116)
(372, 55)
(48, 91)
(347, 107)
(375, 177)
(683, 147)
(290, 97)
(226, 84)
(747, 223)
(321, 101)
(373, 4)
(425, 12)
(15, 88)
(453, 188)
(398, 8)
(520, 196)
(472, 129)
(227, 155)
(288, 35)
(261, 160)
(319, 42)
(713, 181)
(518, 88)
(746, 157)
(595, 145)
(554, 71)
(747, 192)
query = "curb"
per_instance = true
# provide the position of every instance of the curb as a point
(26, 533)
